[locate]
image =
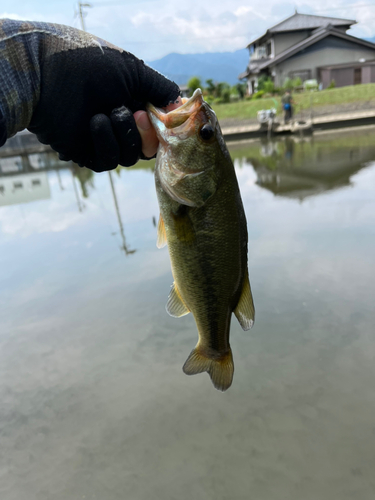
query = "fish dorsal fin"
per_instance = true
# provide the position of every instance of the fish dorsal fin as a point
(161, 240)
(244, 311)
(175, 306)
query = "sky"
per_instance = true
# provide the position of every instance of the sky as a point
(152, 29)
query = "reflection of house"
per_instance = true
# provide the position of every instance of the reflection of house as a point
(301, 169)
(16, 189)
(302, 44)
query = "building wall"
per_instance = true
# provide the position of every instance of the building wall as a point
(283, 41)
(342, 77)
(345, 76)
(325, 76)
(331, 50)
(366, 74)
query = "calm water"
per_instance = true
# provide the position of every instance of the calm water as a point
(93, 401)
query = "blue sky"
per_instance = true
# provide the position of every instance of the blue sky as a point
(153, 28)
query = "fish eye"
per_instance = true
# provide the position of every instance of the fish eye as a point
(206, 132)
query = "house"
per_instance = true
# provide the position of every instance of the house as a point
(309, 47)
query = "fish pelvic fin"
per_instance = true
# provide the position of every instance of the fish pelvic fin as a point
(219, 367)
(244, 311)
(162, 234)
(175, 305)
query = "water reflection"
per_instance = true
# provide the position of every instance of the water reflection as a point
(124, 246)
(93, 401)
(302, 167)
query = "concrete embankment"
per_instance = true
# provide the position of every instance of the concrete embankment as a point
(26, 143)
(326, 122)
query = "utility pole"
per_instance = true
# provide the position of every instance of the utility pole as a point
(83, 14)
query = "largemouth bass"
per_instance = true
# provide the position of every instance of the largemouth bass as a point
(203, 222)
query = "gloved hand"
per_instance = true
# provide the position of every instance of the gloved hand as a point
(88, 93)
(88, 97)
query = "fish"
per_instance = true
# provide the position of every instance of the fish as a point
(202, 220)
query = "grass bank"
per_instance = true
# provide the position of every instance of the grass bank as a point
(248, 109)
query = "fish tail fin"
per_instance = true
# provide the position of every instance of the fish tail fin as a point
(219, 367)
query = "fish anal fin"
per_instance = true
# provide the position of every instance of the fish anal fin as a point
(161, 240)
(244, 311)
(219, 367)
(175, 305)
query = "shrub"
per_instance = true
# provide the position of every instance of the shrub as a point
(288, 84)
(297, 82)
(269, 86)
(225, 95)
(234, 98)
(221, 87)
(332, 85)
(261, 81)
(241, 90)
(258, 94)
(310, 85)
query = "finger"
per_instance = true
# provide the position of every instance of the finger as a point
(149, 140)
(154, 87)
(107, 151)
(174, 105)
(127, 135)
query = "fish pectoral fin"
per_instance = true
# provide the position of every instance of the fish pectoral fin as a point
(175, 305)
(245, 312)
(161, 240)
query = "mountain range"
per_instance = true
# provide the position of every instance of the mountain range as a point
(220, 66)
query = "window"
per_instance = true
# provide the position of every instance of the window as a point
(36, 182)
(304, 74)
(17, 185)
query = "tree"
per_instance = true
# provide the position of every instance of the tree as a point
(193, 84)
(210, 86)
(241, 90)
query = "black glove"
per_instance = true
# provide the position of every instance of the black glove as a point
(3, 132)
(87, 100)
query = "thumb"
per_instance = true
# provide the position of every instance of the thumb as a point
(156, 88)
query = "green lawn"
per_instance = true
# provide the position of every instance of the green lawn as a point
(248, 109)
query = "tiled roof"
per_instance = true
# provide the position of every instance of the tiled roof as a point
(318, 35)
(306, 21)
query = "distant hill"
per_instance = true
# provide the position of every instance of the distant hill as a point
(220, 66)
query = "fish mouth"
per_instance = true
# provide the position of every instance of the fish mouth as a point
(161, 119)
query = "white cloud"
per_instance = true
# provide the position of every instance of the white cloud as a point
(153, 29)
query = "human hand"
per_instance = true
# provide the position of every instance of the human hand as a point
(147, 132)
(88, 95)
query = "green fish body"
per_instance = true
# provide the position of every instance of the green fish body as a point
(203, 222)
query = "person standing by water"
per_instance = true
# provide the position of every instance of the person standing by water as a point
(287, 102)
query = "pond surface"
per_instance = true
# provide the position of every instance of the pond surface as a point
(93, 401)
